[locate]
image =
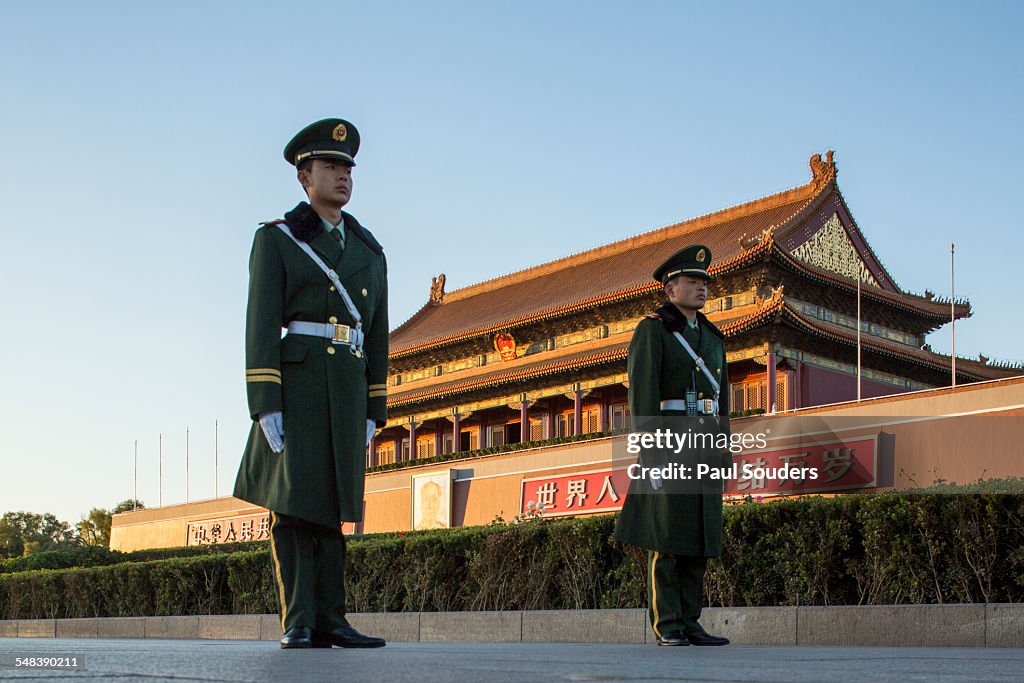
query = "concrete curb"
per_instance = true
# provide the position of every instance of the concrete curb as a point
(994, 625)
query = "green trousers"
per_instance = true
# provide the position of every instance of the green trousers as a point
(309, 569)
(675, 592)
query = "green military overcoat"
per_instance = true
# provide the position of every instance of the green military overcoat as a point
(325, 391)
(661, 369)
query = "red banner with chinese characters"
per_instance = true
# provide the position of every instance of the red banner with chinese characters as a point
(845, 464)
(839, 465)
(602, 490)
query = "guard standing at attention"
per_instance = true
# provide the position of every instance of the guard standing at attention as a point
(316, 395)
(678, 376)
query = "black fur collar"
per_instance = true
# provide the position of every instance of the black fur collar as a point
(674, 320)
(304, 222)
(306, 225)
(671, 317)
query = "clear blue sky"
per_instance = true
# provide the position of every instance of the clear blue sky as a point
(142, 144)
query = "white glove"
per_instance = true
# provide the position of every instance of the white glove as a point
(272, 423)
(371, 429)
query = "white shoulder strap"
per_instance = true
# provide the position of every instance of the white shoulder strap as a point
(700, 363)
(328, 271)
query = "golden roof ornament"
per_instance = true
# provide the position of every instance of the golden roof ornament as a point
(437, 290)
(823, 172)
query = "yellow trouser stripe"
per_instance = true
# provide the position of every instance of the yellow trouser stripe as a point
(277, 571)
(377, 386)
(263, 378)
(377, 394)
(654, 597)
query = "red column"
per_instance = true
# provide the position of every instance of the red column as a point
(771, 382)
(456, 434)
(798, 392)
(577, 408)
(412, 439)
(524, 421)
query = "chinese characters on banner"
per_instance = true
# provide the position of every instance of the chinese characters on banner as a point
(233, 530)
(847, 464)
(585, 492)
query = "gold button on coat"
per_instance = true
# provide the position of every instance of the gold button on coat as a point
(332, 288)
(332, 320)
(364, 291)
(330, 350)
(700, 395)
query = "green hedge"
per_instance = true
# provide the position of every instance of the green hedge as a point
(857, 549)
(88, 556)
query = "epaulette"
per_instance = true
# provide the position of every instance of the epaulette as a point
(654, 316)
(277, 222)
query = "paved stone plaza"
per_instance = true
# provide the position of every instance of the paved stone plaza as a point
(214, 660)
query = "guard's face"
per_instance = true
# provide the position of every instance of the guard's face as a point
(687, 291)
(328, 181)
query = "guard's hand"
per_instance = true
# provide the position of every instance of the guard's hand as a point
(371, 429)
(272, 423)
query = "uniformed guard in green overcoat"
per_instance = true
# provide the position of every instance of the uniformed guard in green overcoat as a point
(317, 394)
(680, 526)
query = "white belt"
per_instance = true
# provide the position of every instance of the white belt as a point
(338, 334)
(705, 406)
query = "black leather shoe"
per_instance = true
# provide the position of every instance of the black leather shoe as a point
(702, 637)
(346, 636)
(297, 636)
(673, 638)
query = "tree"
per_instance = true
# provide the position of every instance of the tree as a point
(126, 505)
(94, 529)
(26, 533)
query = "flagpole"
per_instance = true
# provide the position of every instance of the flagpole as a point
(216, 455)
(135, 496)
(161, 470)
(952, 309)
(187, 430)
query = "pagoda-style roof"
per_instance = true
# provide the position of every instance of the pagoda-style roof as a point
(770, 228)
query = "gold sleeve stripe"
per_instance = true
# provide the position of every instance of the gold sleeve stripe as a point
(263, 371)
(377, 386)
(263, 378)
(378, 394)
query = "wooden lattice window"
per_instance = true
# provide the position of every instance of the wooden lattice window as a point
(621, 418)
(386, 453)
(425, 447)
